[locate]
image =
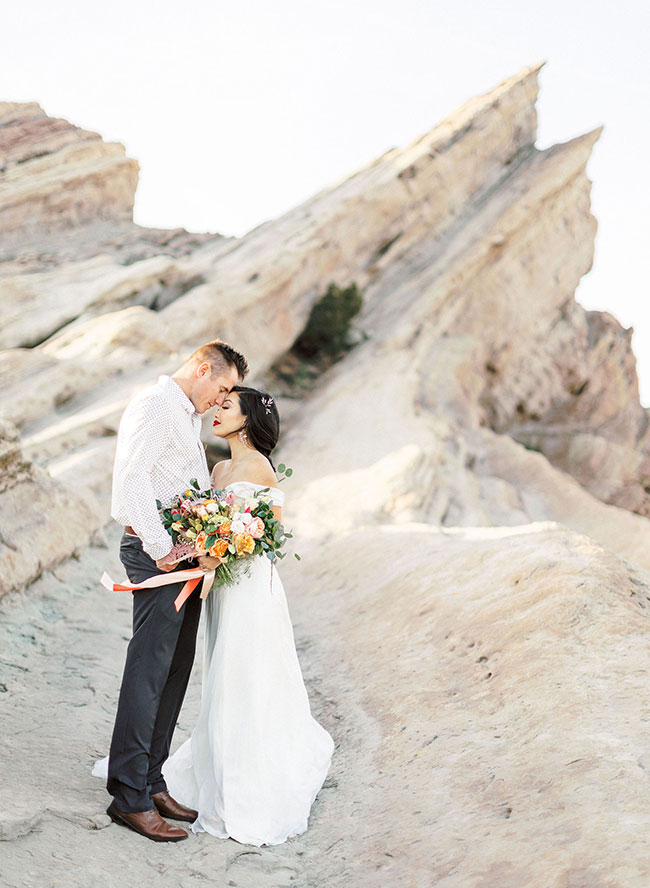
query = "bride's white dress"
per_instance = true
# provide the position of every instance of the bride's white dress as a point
(256, 758)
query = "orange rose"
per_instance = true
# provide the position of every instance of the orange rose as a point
(244, 543)
(224, 527)
(219, 549)
(199, 542)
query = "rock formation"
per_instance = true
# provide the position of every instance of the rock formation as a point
(41, 521)
(468, 497)
(56, 175)
(68, 244)
(469, 240)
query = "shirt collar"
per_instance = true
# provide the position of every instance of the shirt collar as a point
(177, 393)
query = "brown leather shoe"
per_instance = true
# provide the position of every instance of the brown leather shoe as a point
(171, 808)
(147, 823)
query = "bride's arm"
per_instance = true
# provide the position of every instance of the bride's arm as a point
(214, 473)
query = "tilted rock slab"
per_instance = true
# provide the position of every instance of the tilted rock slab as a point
(468, 244)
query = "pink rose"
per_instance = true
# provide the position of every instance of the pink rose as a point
(256, 528)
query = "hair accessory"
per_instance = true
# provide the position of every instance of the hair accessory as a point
(267, 403)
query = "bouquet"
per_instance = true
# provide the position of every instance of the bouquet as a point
(220, 523)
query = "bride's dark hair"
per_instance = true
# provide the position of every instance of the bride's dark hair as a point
(262, 423)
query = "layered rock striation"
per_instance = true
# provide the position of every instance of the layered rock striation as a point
(56, 175)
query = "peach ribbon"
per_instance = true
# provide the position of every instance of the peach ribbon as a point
(192, 576)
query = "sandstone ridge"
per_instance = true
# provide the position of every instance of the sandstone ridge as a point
(55, 174)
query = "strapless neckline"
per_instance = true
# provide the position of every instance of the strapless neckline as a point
(251, 484)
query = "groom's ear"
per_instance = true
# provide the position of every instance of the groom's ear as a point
(203, 368)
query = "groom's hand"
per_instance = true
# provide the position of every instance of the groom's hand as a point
(166, 566)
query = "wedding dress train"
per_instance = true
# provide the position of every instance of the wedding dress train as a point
(256, 758)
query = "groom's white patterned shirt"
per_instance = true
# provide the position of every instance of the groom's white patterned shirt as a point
(159, 450)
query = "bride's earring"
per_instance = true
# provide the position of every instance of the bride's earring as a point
(243, 437)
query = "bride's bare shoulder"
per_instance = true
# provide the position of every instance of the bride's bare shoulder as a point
(259, 471)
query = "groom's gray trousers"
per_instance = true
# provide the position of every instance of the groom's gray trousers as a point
(158, 664)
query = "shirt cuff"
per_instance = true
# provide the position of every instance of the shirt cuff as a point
(157, 549)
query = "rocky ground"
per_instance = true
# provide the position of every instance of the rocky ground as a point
(486, 690)
(63, 649)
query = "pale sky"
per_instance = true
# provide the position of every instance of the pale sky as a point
(237, 112)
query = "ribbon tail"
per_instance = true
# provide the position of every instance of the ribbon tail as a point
(193, 577)
(208, 579)
(185, 592)
(107, 582)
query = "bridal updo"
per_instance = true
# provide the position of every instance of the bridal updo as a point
(262, 424)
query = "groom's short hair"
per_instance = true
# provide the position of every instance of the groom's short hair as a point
(219, 356)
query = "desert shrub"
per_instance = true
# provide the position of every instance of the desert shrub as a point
(327, 329)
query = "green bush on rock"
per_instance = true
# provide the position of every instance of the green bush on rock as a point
(326, 331)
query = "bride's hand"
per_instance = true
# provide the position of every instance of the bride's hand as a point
(207, 562)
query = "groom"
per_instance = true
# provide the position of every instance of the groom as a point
(159, 451)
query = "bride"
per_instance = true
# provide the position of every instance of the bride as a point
(256, 758)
